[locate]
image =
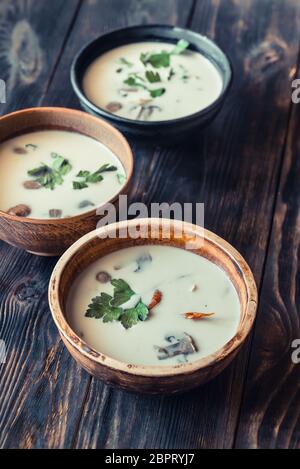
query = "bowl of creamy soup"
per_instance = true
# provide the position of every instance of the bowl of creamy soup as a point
(57, 167)
(153, 81)
(152, 312)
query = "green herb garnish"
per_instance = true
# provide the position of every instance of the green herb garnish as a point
(122, 292)
(163, 59)
(60, 164)
(156, 60)
(101, 308)
(92, 178)
(132, 316)
(153, 77)
(180, 47)
(77, 185)
(126, 62)
(110, 309)
(135, 81)
(40, 171)
(121, 178)
(157, 93)
(171, 74)
(49, 177)
(185, 73)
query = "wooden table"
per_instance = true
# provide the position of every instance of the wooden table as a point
(245, 168)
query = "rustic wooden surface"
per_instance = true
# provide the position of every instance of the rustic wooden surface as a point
(244, 167)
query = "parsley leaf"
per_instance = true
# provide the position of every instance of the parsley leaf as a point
(106, 168)
(40, 171)
(110, 308)
(126, 62)
(121, 178)
(122, 292)
(92, 178)
(78, 185)
(157, 93)
(132, 316)
(83, 174)
(180, 47)
(161, 60)
(48, 176)
(101, 308)
(133, 81)
(152, 77)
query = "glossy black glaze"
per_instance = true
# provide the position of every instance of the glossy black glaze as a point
(163, 131)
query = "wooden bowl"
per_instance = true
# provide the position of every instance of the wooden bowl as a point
(152, 379)
(51, 237)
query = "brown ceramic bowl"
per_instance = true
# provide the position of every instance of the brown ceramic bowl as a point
(152, 379)
(51, 237)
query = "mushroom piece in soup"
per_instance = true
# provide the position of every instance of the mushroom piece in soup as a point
(139, 306)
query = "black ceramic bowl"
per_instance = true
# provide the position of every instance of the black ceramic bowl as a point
(169, 130)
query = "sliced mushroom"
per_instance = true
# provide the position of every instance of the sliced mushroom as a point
(55, 213)
(20, 210)
(114, 107)
(20, 150)
(141, 261)
(103, 277)
(182, 346)
(32, 185)
(145, 111)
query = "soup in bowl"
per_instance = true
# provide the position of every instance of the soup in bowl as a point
(57, 167)
(153, 314)
(154, 81)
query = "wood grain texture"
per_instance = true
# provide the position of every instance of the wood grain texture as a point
(270, 416)
(233, 167)
(101, 16)
(35, 386)
(32, 36)
(51, 237)
(156, 380)
(46, 412)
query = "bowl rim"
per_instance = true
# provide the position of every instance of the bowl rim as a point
(84, 115)
(75, 82)
(155, 371)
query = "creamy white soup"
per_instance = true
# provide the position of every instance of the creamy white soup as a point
(152, 81)
(56, 174)
(154, 305)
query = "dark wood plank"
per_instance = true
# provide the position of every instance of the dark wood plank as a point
(44, 390)
(233, 168)
(29, 52)
(96, 18)
(270, 416)
(32, 36)
(34, 412)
